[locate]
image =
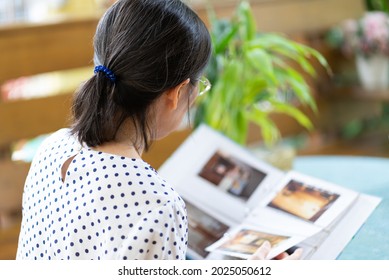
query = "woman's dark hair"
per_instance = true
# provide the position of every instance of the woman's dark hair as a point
(150, 46)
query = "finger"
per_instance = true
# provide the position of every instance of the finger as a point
(295, 256)
(261, 252)
(281, 256)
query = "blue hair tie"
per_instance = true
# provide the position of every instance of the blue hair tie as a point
(108, 73)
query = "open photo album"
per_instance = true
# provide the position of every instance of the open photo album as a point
(236, 201)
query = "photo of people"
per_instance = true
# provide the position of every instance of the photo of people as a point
(231, 175)
(203, 229)
(304, 201)
(247, 241)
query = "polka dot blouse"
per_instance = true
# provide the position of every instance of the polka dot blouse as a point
(108, 207)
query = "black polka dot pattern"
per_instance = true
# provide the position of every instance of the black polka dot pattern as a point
(108, 207)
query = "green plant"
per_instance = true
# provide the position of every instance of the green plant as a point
(252, 77)
(377, 5)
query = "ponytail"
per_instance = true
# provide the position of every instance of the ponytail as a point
(100, 107)
(93, 123)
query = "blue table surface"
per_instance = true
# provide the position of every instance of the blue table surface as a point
(369, 175)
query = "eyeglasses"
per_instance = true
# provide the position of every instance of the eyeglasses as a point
(204, 85)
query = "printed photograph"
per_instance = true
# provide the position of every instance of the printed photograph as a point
(203, 229)
(247, 241)
(231, 175)
(303, 201)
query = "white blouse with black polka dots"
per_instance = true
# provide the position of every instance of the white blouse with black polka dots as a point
(108, 207)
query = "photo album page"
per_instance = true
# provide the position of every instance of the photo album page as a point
(236, 201)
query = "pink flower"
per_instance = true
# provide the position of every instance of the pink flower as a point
(375, 27)
(368, 35)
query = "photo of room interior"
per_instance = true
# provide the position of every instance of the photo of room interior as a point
(203, 230)
(303, 201)
(230, 175)
(248, 241)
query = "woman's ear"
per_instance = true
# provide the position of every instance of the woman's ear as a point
(173, 94)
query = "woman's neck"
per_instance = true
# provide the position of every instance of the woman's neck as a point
(124, 142)
(120, 149)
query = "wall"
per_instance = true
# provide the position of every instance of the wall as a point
(291, 16)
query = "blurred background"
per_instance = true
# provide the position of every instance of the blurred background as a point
(46, 52)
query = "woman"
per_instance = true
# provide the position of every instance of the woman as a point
(88, 194)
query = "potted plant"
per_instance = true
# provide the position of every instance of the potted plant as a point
(366, 39)
(252, 77)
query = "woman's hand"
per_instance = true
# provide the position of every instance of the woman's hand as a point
(264, 250)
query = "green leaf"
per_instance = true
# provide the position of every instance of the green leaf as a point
(302, 91)
(235, 126)
(297, 57)
(255, 90)
(293, 112)
(269, 130)
(261, 61)
(269, 41)
(225, 38)
(291, 49)
(317, 55)
(248, 25)
(352, 129)
(230, 87)
(242, 125)
(299, 86)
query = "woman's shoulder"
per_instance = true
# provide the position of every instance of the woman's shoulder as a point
(131, 175)
(118, 169)
(62, 135)
(57, 143)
